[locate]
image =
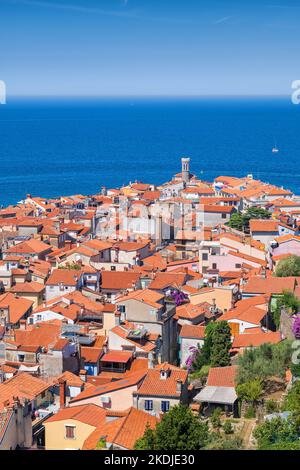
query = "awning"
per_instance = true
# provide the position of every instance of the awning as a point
(221, 395)
(23, 368)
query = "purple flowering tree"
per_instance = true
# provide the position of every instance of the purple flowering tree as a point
(179, 297)
(296, 326)
(191, 358)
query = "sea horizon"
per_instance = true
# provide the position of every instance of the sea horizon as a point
(53, 146)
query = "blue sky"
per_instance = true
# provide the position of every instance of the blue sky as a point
(149, 47)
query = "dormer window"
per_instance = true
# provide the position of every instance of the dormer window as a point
(164, 374)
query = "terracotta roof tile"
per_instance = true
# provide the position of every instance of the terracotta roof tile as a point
(89, 414)
(192, 331)
(118, 280)
(256, 339)
(222, 376)
(154, 385)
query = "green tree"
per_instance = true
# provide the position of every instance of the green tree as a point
(292, 400)
(178, 429)
(279, 433)
(203, 358)
(288, 267)
(147, 441)
(295, 370)
(265, 361)
(236, 221)
(221, 344)
(241, 221)
(257, 213)
(215, 418)
(250, 392)
(288, 301)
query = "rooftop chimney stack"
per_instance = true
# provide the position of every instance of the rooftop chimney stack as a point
(62, 393)
(82, 375)
(179, 386)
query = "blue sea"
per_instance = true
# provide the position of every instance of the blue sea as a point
(51, 147)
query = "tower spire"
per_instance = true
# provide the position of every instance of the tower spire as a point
(185, 164)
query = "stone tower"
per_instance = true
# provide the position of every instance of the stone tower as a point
(185, 163)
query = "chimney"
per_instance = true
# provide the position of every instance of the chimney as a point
(179, 385)
(62, 393)
(158, 230)
(82, 375)
(150, 360)
(22, 324)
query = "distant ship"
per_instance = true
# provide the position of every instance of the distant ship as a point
(275, 149)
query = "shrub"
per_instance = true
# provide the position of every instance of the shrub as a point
(272, 406)
(227, 427)
(250, 413)
(215, 418)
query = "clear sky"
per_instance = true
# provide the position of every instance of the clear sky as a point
(149, 47)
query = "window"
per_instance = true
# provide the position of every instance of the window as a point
(204, 256)
(148, 405)
(121, 308)
(214, 266)
(238, 266)
(165, 406)
(21, 357)
(70, 432)
(223, 216)
(39, 317)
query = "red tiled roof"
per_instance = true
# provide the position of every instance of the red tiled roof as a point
(18, 306)
(164, 280)
(90, 354)
(118, 279)
(154, 385)
(147, 296)
(117, 356)
(89, 414)
(192, 331)
(257, 225)
(131, 379)
(256, 339)
(270, 285)
(123, 432)
(130, 246)
(68, 277)
(222, 376)
(22, 385)
(142, 344)
(28, 287)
